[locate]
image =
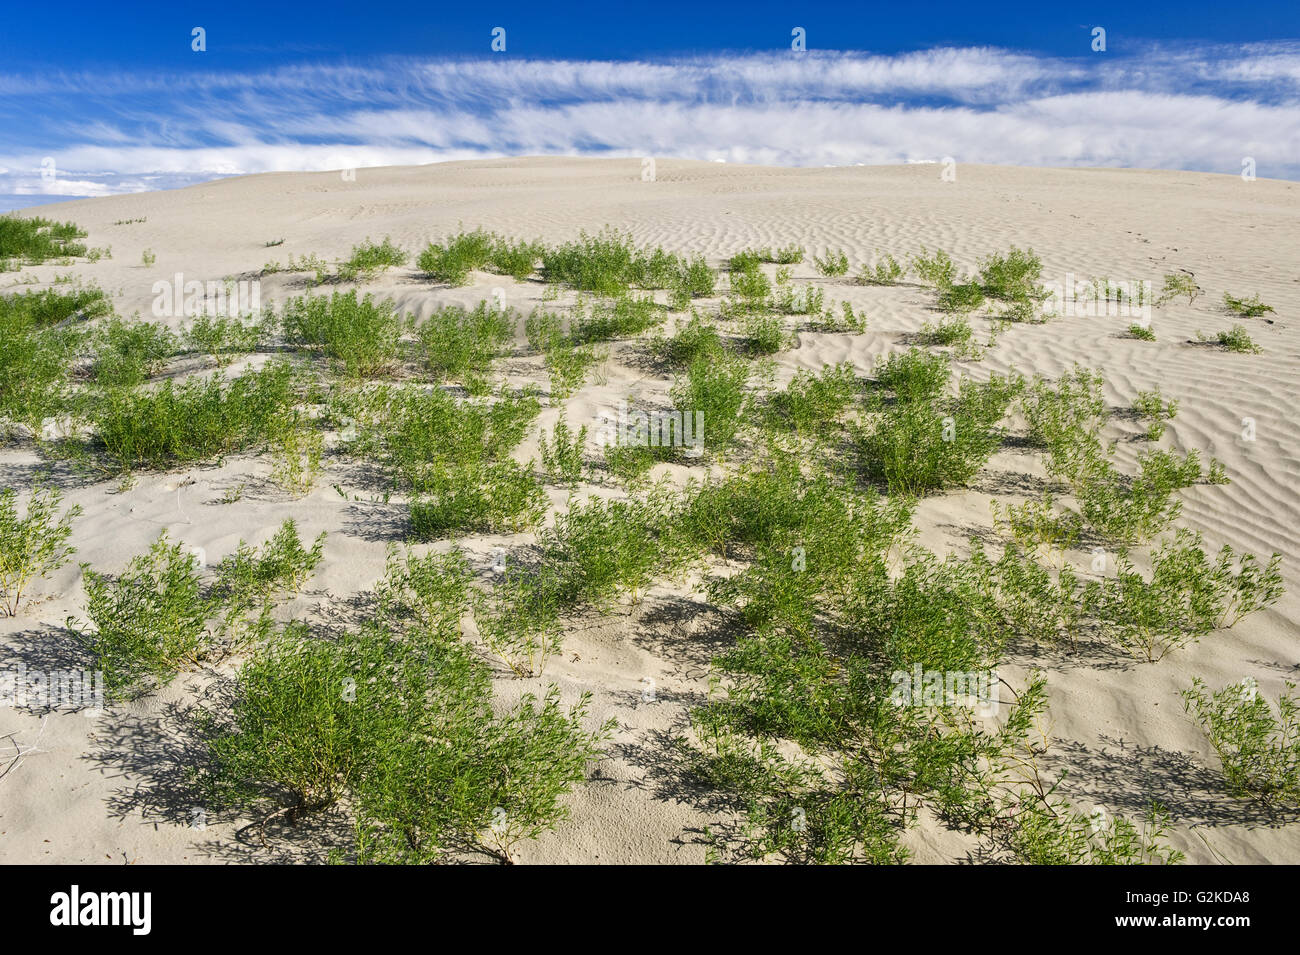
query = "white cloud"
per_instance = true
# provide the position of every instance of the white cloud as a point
(1170, 108)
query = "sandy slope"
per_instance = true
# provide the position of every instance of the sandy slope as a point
(113, 789)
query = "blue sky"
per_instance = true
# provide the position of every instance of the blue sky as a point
(98, 99)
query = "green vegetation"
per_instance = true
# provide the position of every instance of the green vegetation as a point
(1259, 751)
(1246, 307)
(34, 240)
(461, 344)
(360, 335)
(32, 546)
(1235, 339)
(369, 259)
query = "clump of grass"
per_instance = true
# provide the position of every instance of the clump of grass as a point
(1141, 332)
(370, 258)
(34, 240)
(361, 335)
(1235, 339)
(458, 343)
(127, 354)
(194, 420)
(1176, 284)
(834, 264)
(1246, 307)
(32, 546)
(1259, 751)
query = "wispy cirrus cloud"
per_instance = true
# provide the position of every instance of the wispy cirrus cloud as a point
(1166, 108)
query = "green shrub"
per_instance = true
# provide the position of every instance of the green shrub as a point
(51, 307)
(34, 240)
(567, 365)
(886, 271)
(763, 334)
(1151, 408)
(696, 339)
(224, 337)
(609, 263)
(961, 298)
(562, 456)
(835, 263)
(1246, 307)
(715, 388)
(461, 254)
(129, 353)
(518, 619)
(1142, 333)
(1179, 284)
(34, 366)
(914, 375)
(361, 335)
(1012, 277)
(457, 343)
(695, 279)
(194, 420)
(1260, 752)
(813, 403)
(516, 259)
(623, 317)
(147, 623)
(1236, 339)
(33, 546)
(369, 259)
(494, 497)
(1056, 834)
(937, 269)
(917, 446)
(952, 333)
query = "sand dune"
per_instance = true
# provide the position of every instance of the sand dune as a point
(112, 789)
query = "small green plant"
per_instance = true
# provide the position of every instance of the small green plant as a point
(716, 389)
(568, 364)
(914, 375)
(1176, 284)
(763, 334)
(697, 338)
(1246, 307)
(452, 261)
(296, 449)
(961, 299)
(147, 258)
(50, 307)
(148, 622)
(518, 618)
(835, 263)
(562, 455)
(886, 271)
(1151, 407)
(937, 268)
(369, 259)
(623, 317)
(1236, 339)
(515, 259)
(32, 546)
(1012, 277)
(1141, 332)
(1259, 751)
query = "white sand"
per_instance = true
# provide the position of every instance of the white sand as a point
(113, 789)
